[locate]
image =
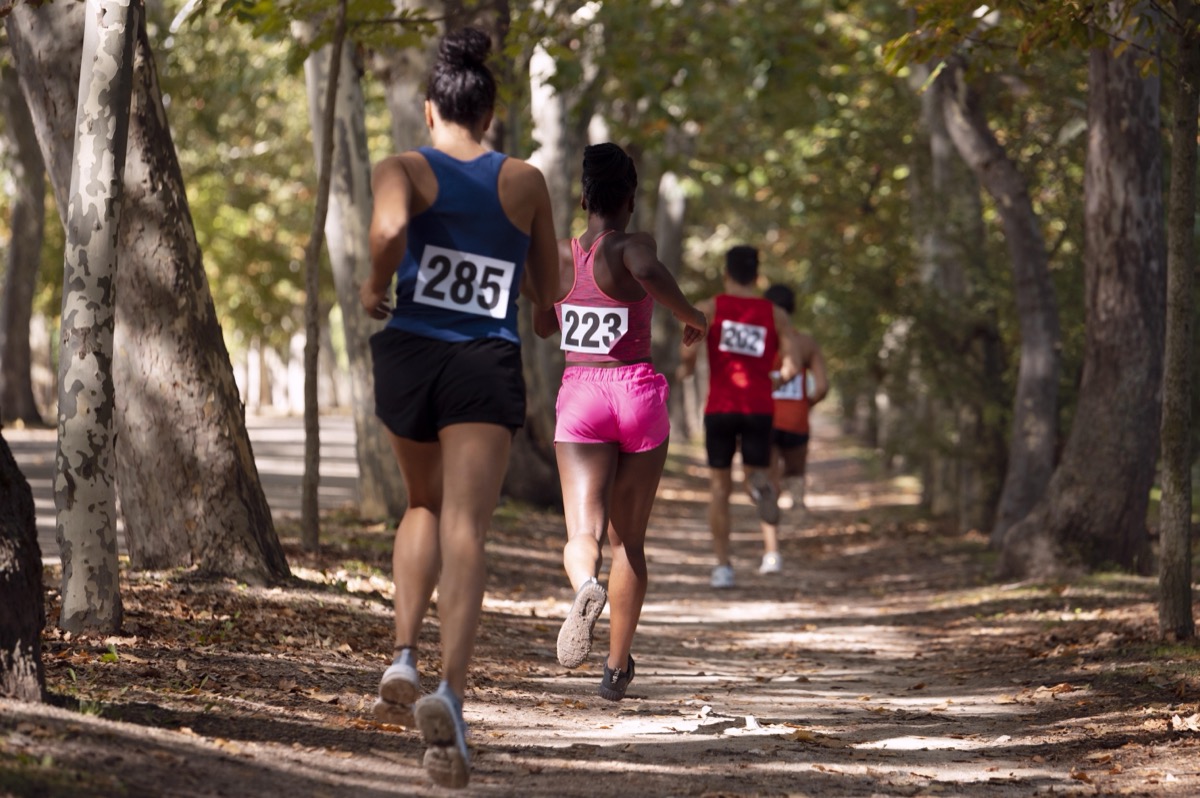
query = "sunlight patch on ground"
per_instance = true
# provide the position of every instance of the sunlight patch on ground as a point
(865, 501)
(924, 744)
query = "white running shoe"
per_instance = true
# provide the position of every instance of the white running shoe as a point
(772, 563)
(722, 576)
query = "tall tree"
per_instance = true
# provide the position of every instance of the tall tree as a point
(1094, 509)
(533, 475)
(380, 488)
(1035, 406)
(27, 221)
(309, 518)
(1175, 557)
(21, 623)
(83, 483)
(188, 485)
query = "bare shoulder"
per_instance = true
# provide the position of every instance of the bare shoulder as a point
(806, 343)
(405, 175)
(522, 175)
(641, 240)
(403, 163)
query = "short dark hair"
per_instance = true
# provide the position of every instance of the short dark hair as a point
(609, 178)
(741, 264)
(460, 84)
(782, 296)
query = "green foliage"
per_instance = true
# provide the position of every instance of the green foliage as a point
(243, 142)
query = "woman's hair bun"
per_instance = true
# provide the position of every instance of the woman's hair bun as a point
(467, 47)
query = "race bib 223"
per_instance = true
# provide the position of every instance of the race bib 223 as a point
(592, 330)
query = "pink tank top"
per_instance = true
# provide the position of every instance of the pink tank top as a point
(595, 327)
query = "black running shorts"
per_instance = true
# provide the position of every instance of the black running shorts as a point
(423, 384)
(784, 439)
(721, 434)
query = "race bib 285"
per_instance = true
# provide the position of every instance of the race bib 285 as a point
(465, 282)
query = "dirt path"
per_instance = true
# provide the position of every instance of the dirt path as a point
(883, 661)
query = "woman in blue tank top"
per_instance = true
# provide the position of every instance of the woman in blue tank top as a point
(462, 230)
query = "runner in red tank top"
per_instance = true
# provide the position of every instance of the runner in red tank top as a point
(742, 342)
(612, 427)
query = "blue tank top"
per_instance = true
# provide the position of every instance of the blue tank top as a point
(461, 274)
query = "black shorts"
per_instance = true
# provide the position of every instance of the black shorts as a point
(784, 439)
(721, 434)
(423, 384)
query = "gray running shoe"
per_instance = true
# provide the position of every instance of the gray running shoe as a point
(614, 683)
(398, 689)
(575, 636)
(439, 717)
(765, 497)
(722, 576)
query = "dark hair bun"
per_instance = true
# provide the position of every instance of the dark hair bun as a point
(465, 48)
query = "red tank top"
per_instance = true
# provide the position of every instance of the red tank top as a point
(595, 327)
(742, 344)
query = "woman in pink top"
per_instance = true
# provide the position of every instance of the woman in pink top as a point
(612, 427)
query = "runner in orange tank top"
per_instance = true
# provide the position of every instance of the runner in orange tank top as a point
(793, 400)
(745, 333)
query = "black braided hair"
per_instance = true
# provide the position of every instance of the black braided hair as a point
(460, 83)
(609, 178)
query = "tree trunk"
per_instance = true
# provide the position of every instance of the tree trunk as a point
(668, 234)
(83, 485)
(950, 221)
(188, 486)
(1035, 407)
(533, 472)
(380, 488)
(309, 515)
(1094, 510)
(24, 616)
(1175, 619)
(402, 71)
(27, 222)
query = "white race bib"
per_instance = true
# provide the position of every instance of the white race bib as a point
(793, 389)
(464, 282)
(593, 330)
(743, 339)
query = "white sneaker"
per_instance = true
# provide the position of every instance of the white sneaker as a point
(722, 576)
(772, 563)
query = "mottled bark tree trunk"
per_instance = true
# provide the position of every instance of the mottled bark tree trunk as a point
(1175, 619)
(1094, 510)
(83, 483)
(380, 488)
(27, 222)
(188, 485)
(21, 622)
(1035, 407)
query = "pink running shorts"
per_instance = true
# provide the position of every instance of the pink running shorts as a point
(625, 405)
